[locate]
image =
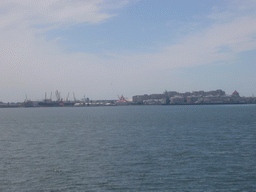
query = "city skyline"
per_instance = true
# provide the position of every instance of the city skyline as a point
(213, 97)
(102, 49)
(70, 97)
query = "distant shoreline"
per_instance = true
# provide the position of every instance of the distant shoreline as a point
(132, 105)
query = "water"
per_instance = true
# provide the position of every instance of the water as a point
(130, 148)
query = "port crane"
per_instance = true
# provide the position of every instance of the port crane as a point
(74, 97)
(67, 97)
(57, 94)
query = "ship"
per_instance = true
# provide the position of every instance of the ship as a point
(121, 101)
(58, 103)
(49, 103)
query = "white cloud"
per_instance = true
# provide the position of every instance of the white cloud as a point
(33, 64)
(202, 48)
(54, 11)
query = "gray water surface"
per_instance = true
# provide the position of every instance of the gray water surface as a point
(130, 148)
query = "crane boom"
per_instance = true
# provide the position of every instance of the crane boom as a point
(67, 97)
(74, 97)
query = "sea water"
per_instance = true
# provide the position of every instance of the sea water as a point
(129, 148)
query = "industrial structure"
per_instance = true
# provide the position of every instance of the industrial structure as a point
(166, 98)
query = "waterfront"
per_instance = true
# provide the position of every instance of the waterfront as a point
(132, 148)
(217, 97)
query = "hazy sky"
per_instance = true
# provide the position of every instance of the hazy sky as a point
(105, 48)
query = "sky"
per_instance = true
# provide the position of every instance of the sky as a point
(103, 48)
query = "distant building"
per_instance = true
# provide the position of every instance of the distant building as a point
(172, 93)
(177, 100)
(235, 94)
(196, 97)
(192, 99)
(139, 98)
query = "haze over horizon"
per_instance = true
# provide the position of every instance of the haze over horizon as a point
(105, 48)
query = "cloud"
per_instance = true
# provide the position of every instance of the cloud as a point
(29, 61)
(201, 48)
(34, 64)
(58, 12)
(233, 29)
